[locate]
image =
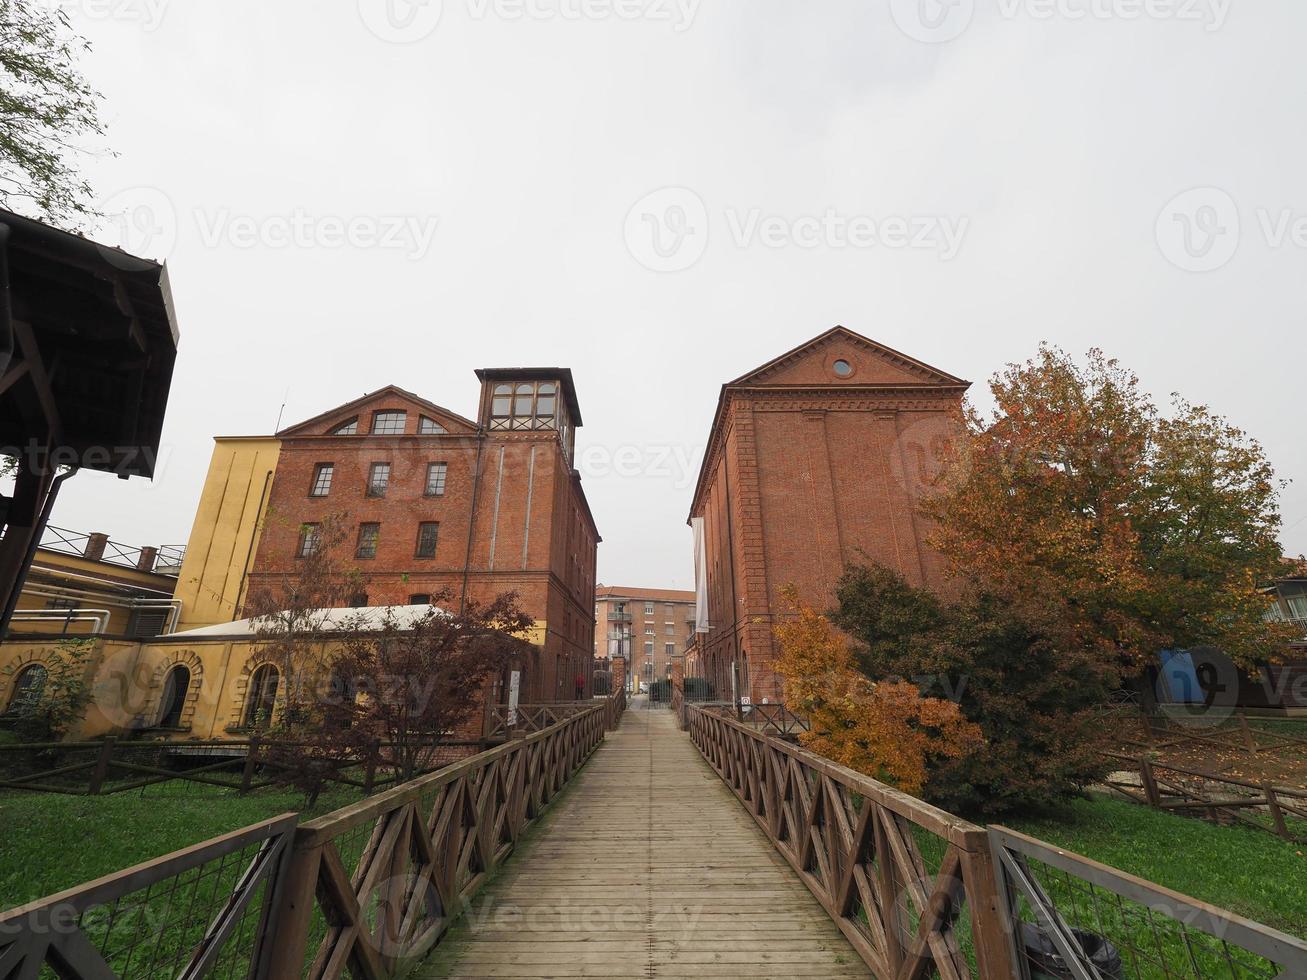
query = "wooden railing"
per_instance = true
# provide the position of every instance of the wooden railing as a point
(204, 911)
(1062, 898)
(895, 874)
(373, 887)
(114, 765)
(502, 721)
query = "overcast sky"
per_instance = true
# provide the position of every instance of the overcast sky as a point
(663, 194)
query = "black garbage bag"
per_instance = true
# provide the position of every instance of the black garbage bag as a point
(1046, 963)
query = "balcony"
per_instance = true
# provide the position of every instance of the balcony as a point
(619, 617)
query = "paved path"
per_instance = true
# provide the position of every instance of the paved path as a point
(646, 867)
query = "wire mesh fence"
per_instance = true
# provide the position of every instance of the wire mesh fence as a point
(202, 911)
(1073, 917)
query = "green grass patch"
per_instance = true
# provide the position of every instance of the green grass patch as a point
(55, 842)
(1239, 869)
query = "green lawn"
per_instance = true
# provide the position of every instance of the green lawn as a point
(1240, 869)
(54, 842)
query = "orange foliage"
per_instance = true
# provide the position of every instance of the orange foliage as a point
(886, 730)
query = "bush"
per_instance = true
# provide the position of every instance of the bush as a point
(1033, 692)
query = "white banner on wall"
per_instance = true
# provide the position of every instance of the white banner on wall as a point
(700, 577)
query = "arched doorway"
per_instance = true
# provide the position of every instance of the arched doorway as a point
(175, 688)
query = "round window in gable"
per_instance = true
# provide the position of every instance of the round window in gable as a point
(842, 368)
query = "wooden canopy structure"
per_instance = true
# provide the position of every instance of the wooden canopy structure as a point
(88, 339)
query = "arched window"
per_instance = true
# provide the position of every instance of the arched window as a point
(27, 688)
(350, 428)
(261, 696)
(175, 687)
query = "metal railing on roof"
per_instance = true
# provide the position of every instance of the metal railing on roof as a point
(163, 560)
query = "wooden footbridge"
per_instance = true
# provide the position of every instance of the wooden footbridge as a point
(612, 844)
(646, 867)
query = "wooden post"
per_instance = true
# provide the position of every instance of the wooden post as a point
(1248, 739)
(1277, 815)
(1149, 782)
(251, 760)
(293, 914)
(994, 944)
(101, 770)
(892, 918)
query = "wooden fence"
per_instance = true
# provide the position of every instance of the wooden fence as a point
(502, 721)
(361, 892)
(200, 912)
(114, 765)
(1237, 734)
(373, 887)
(862, 847)
(1277, 809)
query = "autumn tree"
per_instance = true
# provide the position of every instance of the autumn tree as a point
(884, 728)
(417, 677)
(1032, 690)
(1136, 531)
(47, 109)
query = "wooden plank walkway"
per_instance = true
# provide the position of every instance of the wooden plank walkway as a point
(647, 867)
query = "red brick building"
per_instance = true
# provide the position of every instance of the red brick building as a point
(649, 628)
(439, 502)
(814, 459)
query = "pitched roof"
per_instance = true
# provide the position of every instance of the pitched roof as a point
(916, 376)
(926, 373)
(301, 428)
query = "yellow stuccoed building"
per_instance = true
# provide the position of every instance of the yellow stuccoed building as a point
(168, 656)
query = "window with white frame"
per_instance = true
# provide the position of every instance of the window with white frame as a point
(436, 473)
(388, 423)
(322, 474)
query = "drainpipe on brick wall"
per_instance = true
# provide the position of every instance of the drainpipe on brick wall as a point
(472, 518)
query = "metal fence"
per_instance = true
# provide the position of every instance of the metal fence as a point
(201, 912)
(1090, 921)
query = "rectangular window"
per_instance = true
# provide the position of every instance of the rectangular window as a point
(648, 648)
(378, 479)
(436, 479)
(671, 629)
(1297, 606)
(419, 599)
(322, 474)
(648, 608)
(648, 631)
(388, 423)
(368, 537)
(428, 532)
(669, 649)
(310, 537)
